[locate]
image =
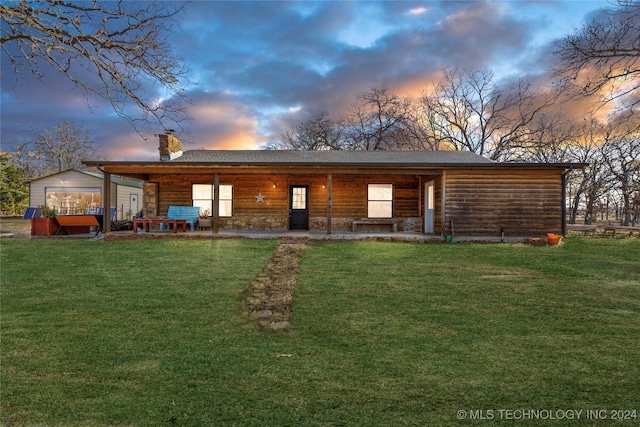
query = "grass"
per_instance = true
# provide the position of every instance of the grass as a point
(149, 333)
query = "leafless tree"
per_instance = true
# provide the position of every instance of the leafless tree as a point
(603, 57)
(552, 139)
(377, 121)
(420, 130)
(468, 111)
(319, 132)
(611, 149)
(117, 51)
(594, 181)
(622, 148)
(56, 150)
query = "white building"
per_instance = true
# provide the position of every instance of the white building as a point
(75, 192)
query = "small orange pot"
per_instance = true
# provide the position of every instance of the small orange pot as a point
(553, 239)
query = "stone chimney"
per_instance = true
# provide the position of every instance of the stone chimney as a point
(170, 146)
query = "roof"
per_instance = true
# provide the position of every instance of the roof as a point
(331, 158)
(318, 159)
(115, 179)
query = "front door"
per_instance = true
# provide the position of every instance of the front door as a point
(299, 207)
(133, 204)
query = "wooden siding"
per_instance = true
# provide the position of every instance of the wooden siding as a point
(520, 202)
(349, 193)
(481, 202)
(122, 198)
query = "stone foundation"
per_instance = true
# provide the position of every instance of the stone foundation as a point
(278, 223)
(257, 223)
(346, 224)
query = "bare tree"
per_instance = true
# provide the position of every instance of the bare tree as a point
(56, 150)
(622, 147)
(377, 121)
(319, 132)
(468, 111)
(112, 50)
(420, 130)
(595, 181)
(552, 139)
(603, 57)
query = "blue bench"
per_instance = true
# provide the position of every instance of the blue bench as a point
(188, 213)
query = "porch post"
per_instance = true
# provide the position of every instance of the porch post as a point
(216, 206)
(564, 203)
(421, 214)
(329, 201)
(106, 202)
(443, 208)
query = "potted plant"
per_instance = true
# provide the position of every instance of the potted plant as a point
(46, 225)
(204, 220)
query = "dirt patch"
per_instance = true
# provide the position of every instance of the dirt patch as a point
(269, 298)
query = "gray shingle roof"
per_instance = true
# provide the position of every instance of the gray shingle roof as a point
(334, 157)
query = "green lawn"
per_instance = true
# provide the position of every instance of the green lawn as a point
(150, 333)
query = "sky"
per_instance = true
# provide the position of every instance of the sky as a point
(260, 67)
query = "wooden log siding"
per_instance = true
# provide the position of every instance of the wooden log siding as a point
(523, 202)
(349, 193)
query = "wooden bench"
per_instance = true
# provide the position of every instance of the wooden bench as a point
(615, 228)
(82, 222)
(188, 213)
(378, 221)
(146, 222)
(585, 228)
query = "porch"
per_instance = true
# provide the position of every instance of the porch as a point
(313, 235)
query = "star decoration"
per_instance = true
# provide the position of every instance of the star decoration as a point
(260, 198)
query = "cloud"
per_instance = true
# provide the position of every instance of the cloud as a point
(221, 121)
(261, 66)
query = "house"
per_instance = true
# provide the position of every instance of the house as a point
(430, 192)
(76, 192)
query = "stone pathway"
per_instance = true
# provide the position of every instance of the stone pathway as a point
(269, 298)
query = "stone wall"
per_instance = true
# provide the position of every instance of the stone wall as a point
(150, 199)
(276, 223)
(257, 223)
(337, 224)
(411, 224)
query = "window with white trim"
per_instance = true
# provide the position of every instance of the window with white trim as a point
(380, 200)
(203, 197)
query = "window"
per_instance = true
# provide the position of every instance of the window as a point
(380, 200)
(202, 196)
(225, 206)
(73, 201)
(299, 198)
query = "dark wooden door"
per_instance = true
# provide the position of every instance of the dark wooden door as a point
(299, 207)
